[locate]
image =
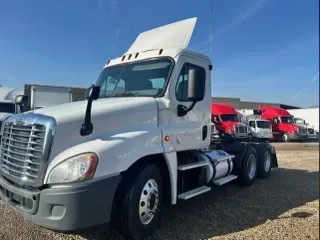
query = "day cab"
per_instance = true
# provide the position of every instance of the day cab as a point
(227, 122)
(283, 124)
(141, 139)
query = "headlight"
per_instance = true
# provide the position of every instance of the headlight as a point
(77, 168)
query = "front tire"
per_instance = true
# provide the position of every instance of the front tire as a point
(285, 137)
(141, 204)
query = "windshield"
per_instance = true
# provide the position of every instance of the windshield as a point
(287, 120)
(229, 117)
(263, 124)
(7, 107)
(299, 121)
(145, 78)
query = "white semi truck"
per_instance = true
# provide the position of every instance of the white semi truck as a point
(309, 118)
(141, 140)
(8, 105)
(259, 129)
(48, 95)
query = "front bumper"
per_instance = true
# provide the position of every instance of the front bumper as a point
(296, 136)
(69, 208)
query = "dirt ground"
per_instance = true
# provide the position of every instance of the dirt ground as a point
(284, 206)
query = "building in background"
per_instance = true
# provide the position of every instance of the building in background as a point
(237, 103)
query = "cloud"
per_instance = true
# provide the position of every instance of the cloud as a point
(241, 17)
(303, 89)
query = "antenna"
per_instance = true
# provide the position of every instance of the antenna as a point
(210, 41)
(132, 35)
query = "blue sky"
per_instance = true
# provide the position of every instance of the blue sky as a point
(262, 50)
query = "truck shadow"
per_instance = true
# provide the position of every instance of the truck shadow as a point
(230, 208)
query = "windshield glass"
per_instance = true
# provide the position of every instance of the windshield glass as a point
(7, 107)
(229, 117)
(287, 120)
(299, 121)
(263, 124)
(145, 78)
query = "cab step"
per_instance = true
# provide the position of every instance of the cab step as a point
(225, 180)
(192, 165)
(194, 192)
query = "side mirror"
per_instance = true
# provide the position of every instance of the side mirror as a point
(92, 92)
(21, 99)
(196, 85)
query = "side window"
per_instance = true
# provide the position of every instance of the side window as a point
(183, 79)
(251, 124)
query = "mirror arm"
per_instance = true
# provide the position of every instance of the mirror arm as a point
(87, 126)
(183, 110)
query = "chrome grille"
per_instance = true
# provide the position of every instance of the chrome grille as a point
(302, 130)
(311, 131)
(22, 149)
(241, 129)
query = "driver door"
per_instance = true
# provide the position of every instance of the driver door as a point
(191, 131)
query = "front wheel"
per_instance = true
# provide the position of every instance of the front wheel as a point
(141, 206)
(285, 137)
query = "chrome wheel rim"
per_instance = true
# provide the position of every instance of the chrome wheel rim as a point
(284, 137)
(267, 161)
(252, 165)
(149, 201)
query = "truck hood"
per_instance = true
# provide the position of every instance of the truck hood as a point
(109, 116)
(231, 125)
(106, 107)
(4, 115)
(288, 127)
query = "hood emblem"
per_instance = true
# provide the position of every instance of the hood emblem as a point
(20, 121)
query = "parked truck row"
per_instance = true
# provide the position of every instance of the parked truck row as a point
(264, 123)
(140, 140)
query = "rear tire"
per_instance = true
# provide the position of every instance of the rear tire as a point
(264, 165)
(248, 171)
(141, 203)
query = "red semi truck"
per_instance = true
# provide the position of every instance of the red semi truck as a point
(283, 125)
(227, 122)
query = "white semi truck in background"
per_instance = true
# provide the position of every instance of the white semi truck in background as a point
(141, 140)
(259, 129)
(308, 117)
(8, 104)
(46, 96)
(40, 96)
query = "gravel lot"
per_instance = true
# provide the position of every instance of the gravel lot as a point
(284, 206)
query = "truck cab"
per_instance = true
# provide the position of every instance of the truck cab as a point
(260, 129)
(283, 124)
(140, 140)
(312, 134)
(9, 104)
(227, 122)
